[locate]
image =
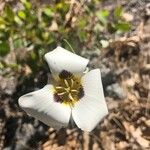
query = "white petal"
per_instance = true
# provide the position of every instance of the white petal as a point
(92, 107)
(60, 59)
(41, 105)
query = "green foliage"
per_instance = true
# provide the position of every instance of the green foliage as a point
(35, 29)
(22, 14)
(48, 11)
(103, 16)
(8, 13)
(115, 24)
(4, 48)
(118, 12)
(122, 26)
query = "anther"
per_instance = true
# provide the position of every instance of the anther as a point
(61, 93)
(66, 83)
(74, 91)
(70, 96)
(59, 87)
(72, 82)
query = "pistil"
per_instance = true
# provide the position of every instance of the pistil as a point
(69, 90)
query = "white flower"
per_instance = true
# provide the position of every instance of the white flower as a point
(72, 93)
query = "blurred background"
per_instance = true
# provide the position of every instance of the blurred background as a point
(113, 34)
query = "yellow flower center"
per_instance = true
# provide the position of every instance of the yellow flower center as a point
(68, 89)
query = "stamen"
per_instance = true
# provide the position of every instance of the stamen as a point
(69, 89)
(59, 87)
(62, 93)
(66, 83)
(70, 96)
(72, 82)
(74, 91)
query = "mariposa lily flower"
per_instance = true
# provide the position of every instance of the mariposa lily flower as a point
(72, 94)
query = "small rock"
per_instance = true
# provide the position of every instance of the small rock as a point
(7, 148)
(115, 91)
(147, 9)
(8, 85)
(108, 78)
(23, 135)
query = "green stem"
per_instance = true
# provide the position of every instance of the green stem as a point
(69, 45)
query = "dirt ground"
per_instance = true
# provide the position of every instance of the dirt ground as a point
(125, 68)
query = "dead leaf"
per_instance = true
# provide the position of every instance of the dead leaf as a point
(128, 17)
(136, 134)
